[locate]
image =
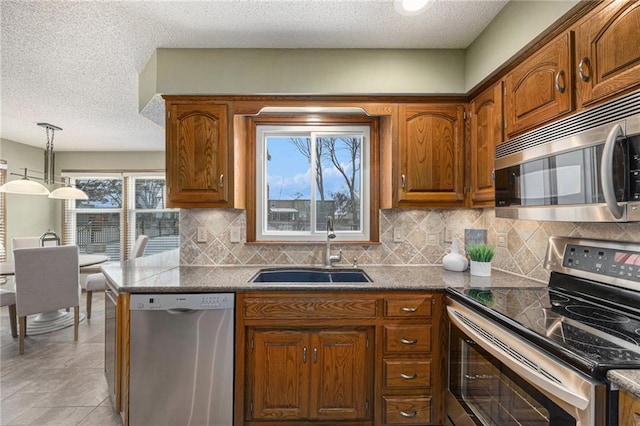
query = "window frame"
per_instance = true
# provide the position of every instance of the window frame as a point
(320, 121)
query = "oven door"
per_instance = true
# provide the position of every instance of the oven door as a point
(496, 378)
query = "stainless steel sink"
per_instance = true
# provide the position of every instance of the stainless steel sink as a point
(310, 275)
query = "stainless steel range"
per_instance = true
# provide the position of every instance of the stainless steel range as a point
(535, 356)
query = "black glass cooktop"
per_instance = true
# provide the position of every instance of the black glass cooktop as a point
(594, 333)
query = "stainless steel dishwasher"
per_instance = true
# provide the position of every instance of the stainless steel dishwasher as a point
(181, 359)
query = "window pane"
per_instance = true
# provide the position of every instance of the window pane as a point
(288, 183)
(150, 194)
(103, 193)
(161, 228)
(99, 233)
(339, 196)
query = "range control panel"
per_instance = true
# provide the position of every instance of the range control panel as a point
(157, 302)
(615, 263)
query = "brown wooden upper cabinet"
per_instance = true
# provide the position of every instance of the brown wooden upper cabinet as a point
(197, 156)
(431, 169)
(540, 88)
(486, 133)
(608, 51)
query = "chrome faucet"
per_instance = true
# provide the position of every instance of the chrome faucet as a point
(328, 259)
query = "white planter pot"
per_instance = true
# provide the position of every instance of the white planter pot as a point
(481, 269)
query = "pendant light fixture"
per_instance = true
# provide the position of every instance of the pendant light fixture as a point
(24, 186)
(27, 185)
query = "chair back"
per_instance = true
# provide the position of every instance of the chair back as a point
(141, 244)
(25, 242)
(46, 279)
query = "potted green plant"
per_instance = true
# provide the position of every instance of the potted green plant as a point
(480, 256)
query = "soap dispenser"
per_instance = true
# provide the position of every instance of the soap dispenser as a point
(454, 260)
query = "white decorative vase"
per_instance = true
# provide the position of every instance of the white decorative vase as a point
(480, 269)
(454, 261)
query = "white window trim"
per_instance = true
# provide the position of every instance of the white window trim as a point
(263, 131)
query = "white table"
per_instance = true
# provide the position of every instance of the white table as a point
(55, 320)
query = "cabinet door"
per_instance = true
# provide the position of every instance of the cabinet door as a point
(540, 89)
(278, 374)
(486, 133)
(431, 169)
(629, 410)
(608, 51)
(197, 155)
(340, 377)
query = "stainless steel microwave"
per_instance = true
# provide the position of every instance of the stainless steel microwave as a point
(585, 168)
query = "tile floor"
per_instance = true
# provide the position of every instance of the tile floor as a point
(57, 381)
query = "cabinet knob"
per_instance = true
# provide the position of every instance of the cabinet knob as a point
(560, 88)
(584, 64)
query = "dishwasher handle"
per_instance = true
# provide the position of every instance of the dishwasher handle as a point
(180, 311)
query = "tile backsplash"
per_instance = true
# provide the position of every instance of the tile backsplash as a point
(420, 236)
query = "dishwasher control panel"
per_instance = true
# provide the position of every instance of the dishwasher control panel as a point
(163, 302)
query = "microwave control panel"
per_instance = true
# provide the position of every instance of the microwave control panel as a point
(603, 261)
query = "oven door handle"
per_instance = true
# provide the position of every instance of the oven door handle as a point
(606, 172)
(520, 357)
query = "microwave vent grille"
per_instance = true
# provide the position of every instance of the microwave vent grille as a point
(610, 112)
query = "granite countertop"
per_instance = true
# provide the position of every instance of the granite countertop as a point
(627, 380)
(162, 273)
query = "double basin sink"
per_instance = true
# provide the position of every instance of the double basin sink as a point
(310, 275)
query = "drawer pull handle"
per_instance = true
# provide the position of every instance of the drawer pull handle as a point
(304, 355)
(405, 309)
(409, 377)
(408, 415)
(408, 342)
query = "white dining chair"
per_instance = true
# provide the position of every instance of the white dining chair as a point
(8, 298)
(46, 279)
(98, 282)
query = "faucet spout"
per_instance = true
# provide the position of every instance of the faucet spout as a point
(328, 258)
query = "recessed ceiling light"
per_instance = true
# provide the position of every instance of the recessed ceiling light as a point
(412, 7)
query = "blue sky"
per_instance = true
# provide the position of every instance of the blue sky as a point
(289, 172)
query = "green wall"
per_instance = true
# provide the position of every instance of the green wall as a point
(517, 24)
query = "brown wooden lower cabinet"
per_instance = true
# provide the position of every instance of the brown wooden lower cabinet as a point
(629, 414)
(315, 374)
(339, 358)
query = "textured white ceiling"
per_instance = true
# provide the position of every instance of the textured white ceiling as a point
(76, 64)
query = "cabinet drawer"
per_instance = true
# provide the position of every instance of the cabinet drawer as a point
(407, 411)
(309, 307)
(407, 374)
(407, 338)
(416, 307)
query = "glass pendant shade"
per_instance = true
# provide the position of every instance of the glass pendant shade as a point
(24, 186)
(68, 193)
